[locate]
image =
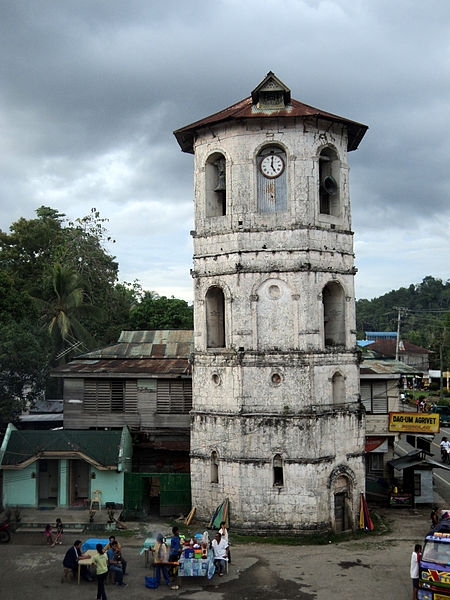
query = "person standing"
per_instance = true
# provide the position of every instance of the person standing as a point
(49, 535)
(224, 533)
(434, 517)
(59, 532)
(161, 557)
(414, 569)
(100, 561)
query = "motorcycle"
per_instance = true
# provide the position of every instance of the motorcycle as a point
(5, 535)
(445, 455)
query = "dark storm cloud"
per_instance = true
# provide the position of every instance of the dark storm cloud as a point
(90, 92)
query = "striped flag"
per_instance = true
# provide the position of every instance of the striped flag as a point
(365, 522)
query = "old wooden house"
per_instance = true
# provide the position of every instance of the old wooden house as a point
(144, 382)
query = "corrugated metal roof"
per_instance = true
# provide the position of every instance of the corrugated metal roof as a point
(413, 459)
(246, 109)
(116, 366)
(168, 343)
(34, 418)
(384, 334)
(386, 367)
(102, 446)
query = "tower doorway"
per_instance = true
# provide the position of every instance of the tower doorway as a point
(342, 511)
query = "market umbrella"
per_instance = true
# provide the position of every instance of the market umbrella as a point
(222, 513)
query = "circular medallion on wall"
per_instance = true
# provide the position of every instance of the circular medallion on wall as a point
(276, 378)
(274, 292)
(216, 379)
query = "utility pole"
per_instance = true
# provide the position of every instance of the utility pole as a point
(398, 332)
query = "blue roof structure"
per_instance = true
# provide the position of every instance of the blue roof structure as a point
(380, 335)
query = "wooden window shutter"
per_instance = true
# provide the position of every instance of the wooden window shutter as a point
(163, 396)
(366, 396)
(379, 397)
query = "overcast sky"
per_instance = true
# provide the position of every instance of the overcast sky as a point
(91, 90)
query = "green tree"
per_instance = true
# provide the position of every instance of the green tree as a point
(25, 348)
(160, 312)
(32, 248)
(422, 320)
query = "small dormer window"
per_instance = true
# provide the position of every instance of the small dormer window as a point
(271, 93)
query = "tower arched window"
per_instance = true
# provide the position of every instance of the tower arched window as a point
(215, 179)
(215, 318)
(329, 195)
(278, 475)
(338, 388)
(333, 314)
(271, 178)
(214, 467)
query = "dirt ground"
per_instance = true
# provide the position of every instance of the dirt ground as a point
(375, 567)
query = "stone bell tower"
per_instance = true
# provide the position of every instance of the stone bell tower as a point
(277, 425)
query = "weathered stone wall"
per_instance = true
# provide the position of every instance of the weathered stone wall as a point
(268, 392)
(312, 446)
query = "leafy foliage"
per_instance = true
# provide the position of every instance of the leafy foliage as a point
(59, 287)
(159, 312)
(24, 352)
(425, 316)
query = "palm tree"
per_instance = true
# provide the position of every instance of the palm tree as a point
(63, 308)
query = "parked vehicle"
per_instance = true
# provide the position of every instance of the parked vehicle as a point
(444, 414)
(434, 566)
(5, 535)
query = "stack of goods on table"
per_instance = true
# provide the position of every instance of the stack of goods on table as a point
(197, 547)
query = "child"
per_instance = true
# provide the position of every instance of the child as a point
(48, 534)
(59, 532)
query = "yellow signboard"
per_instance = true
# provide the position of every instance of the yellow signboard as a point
(414, 422)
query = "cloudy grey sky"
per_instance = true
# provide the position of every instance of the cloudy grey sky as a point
(91, 90)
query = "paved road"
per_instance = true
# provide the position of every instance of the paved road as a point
(371, 569)
(441, 476)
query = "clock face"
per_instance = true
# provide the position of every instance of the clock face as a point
(272, 166)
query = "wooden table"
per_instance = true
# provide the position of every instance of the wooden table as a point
(86, 561)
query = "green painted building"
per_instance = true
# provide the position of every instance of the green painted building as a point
(63, 467)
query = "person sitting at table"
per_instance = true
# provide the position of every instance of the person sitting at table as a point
(115, 563)
(112, 538)
(73, 555)
(161, 556)
(220, 549)
(101, 563)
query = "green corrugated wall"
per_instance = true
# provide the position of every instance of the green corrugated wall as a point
(175, 493)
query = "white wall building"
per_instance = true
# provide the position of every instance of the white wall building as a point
(277, 425)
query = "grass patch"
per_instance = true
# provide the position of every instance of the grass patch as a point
(381, 527)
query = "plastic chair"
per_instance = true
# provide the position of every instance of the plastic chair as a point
(96, 497)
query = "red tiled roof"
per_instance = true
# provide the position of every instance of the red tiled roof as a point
(245, 109)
